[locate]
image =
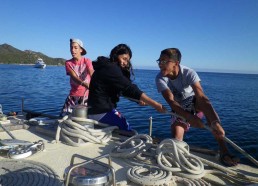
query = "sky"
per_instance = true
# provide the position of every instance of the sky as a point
(212, 35)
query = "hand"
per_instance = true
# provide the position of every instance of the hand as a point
(142, 103)
(85, 84)
(195, 121)
(160, 108)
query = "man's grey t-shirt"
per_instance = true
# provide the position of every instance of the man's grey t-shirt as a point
(181, 86)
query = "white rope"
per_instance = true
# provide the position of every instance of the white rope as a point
(132, 146)
(229, 177)
(90, 121)
(76, 134)
(226, 140)
(144, 174)
(228, 171)
(174, 155)
(237, 148)
(150, 176)
(191, 182)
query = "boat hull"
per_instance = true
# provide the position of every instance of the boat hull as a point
(40, 66)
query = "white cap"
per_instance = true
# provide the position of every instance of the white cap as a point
(80, 43)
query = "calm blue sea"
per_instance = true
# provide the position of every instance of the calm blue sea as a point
(234, 96)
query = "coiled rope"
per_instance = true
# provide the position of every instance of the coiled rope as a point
(145, 174)
(174, 156)
(191, 182)
(150, 176)
(133, 146)
(76, 134)
(27, 172)
(226, 140)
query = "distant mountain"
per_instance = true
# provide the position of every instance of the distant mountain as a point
(11, 55)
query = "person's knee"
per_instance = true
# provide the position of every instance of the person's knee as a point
(177, 130)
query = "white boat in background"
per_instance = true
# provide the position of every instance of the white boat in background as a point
(40, 63)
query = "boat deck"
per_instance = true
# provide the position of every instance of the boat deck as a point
(57, 156)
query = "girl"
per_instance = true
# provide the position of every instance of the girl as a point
(111, 79)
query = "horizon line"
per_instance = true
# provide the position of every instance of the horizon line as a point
(203, 70)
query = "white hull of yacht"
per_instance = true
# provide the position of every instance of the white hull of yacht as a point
(40, 63)
(40, 66)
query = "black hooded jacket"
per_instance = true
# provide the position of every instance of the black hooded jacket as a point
(107, 84)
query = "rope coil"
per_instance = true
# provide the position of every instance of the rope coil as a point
(174, 155)
(76, 134)
(133, 146)
(150, 176)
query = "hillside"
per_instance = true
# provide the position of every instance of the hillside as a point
(11, 55)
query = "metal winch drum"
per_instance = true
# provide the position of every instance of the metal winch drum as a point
(80, 111)
(89, 173)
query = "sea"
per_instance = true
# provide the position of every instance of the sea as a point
(233, 96)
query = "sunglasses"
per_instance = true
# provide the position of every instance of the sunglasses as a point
(163, 62)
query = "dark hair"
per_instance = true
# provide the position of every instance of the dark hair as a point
(120, 50)
(172, 53)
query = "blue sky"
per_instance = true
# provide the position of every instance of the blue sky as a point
(217, 35)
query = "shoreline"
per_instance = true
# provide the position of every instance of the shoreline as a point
(26, 64)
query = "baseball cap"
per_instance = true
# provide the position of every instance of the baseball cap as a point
(80, 43)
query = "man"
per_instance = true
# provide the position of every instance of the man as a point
(181, 88)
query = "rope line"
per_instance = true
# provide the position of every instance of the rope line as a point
(174, 155)
(76, 134)
(150, 176)
(27, 172)
(171, 156)
(132, 146)
(237, 148)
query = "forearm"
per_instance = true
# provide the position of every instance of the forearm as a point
(81, 82)
(78, 80)
(176, 107)
(149, 101)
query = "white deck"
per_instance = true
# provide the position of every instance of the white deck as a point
(58, 155)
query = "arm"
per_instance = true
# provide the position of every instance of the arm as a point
(159, 107)
(75, 77)
(87, 84)
(204, 104)
(193, 120)
(91, 72)
(114, 76)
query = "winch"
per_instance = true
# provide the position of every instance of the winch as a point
(90, 172)
(80, 111)
(80, 115)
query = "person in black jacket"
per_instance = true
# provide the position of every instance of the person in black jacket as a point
(111, 79)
